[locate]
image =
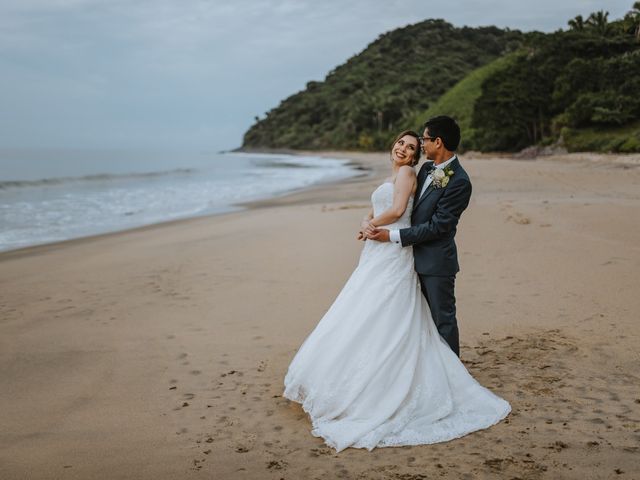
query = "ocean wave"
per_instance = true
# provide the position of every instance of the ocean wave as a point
(100, 177)
(283, 164)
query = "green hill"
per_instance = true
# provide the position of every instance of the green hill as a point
(458, 102)
(363, 102)
(625, 139)
(577, 88)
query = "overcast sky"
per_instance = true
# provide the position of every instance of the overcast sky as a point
(193, 74)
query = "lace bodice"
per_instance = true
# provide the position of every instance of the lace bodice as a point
(382, 199)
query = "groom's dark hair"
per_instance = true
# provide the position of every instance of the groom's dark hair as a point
(446, 128)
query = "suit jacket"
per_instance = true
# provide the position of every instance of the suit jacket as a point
(434, 222)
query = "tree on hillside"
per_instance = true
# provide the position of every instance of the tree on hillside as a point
(599, 21)
(573, 79)
(632, 20)
(576, 23)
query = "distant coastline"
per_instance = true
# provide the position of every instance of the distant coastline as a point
(50, 209)
(369, 167)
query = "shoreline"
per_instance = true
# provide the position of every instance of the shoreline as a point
(312, 192)
(235, 208)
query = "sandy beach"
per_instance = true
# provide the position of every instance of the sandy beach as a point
(160, 352)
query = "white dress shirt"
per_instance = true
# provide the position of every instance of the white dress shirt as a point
(394, 235)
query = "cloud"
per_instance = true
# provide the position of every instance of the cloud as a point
(193, 72)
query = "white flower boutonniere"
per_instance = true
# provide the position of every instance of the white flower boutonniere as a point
(440, 177)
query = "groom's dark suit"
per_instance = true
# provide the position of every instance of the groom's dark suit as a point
(434, 220)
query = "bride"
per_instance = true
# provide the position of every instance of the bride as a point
(375, 371)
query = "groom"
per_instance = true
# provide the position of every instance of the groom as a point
(443, 193)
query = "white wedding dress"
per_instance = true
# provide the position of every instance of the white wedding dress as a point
(375, 371)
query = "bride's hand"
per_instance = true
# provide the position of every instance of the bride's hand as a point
(370, 229)
(360, 236)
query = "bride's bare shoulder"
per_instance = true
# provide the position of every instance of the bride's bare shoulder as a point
(406, 172)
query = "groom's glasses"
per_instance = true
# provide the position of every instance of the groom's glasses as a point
(424, 139)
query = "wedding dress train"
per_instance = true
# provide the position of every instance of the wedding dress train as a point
(375, 371)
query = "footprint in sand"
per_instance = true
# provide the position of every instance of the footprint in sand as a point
(224, 419)
(246, 443)
(317, 452)
(558, 446)
(498, 464)
(518, 218)
(277, 465)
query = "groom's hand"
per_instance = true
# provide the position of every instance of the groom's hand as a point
(379, 235)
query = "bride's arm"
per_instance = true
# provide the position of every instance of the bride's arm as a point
(366, 223)
(366, 220)
(403, 189)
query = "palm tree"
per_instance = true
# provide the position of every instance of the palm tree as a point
(576, 23)
(599, 21)
(633, 16)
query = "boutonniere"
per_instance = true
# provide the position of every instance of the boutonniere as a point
(440, 176)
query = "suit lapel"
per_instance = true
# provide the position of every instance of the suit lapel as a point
(421, 179)
(430, 189)
(453, 165)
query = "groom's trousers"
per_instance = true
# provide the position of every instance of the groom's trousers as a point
(439, 292)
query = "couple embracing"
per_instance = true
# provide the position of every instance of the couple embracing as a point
(381, 368)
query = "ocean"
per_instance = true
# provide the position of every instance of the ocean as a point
(52, 195)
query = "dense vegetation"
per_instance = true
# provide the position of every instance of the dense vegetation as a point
(566, 87)
(459, 101)
(578, 88)
(362, 102)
